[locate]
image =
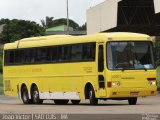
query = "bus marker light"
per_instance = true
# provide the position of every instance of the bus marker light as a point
(109, 84)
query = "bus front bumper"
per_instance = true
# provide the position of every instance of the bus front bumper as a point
(131, 92)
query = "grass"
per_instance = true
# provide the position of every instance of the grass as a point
(1, 60)
(158, 77)
(1, 84)
(1, 81)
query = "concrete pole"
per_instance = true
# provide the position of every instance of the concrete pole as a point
(67, 19)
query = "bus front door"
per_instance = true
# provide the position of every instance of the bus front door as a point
(101, 73)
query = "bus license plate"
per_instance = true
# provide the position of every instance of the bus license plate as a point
(134, 94)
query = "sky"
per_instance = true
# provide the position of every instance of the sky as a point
(35, 10)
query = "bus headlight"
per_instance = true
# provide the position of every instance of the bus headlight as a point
(152, 83)
(116, 84)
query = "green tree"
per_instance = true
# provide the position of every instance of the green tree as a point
(83, 27)
(4, 21)
(48, 22)
(1, 61)
(18, 29)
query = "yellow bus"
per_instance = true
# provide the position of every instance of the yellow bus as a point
(117, 66)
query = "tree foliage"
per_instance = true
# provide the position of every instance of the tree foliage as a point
(1, 62)
(18, 29)
(48, 22)
(4, 21)
(83, 27)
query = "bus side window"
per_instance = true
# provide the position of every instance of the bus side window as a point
(12, 55)
(7, 57)
(19, 56)
(40, 55)
(60, 55)
(63, 53)
(55, 54)
(67, 52)
(32, 55)
(76, 52)
(49, 54)
(29, 56)
(89, 51)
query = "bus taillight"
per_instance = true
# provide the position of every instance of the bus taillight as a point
(151, 79)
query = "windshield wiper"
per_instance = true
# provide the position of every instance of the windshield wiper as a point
(145, 68)
(126, 68)
(123, 68)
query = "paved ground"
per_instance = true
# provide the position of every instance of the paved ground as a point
(146, 105)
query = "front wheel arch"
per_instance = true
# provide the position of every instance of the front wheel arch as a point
(88, 86)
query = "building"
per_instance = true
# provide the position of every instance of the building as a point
(62, 29)
(142, 16)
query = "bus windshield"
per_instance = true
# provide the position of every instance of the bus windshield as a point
(130, 55)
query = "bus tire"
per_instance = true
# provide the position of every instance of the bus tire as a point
(61, 102)
(93, 100)
(35, 96)
(25, 96)
(132, 101)
(75, 102)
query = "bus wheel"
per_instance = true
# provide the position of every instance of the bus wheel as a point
(75, 102)
(132, 101)
(35, 96)
(25, 95)
(93, 100)
(61, 102)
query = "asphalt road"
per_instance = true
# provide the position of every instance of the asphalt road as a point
(147, 105)
(147, 108)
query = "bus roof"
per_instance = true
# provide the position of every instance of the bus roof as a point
(68, 39)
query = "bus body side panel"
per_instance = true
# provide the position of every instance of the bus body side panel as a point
(54, 81)
(16, 76)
